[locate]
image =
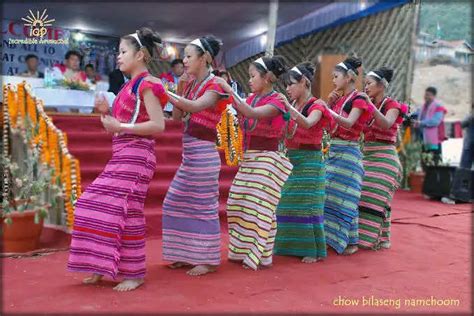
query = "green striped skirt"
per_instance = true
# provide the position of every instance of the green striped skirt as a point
(300, 213)
(382, 177)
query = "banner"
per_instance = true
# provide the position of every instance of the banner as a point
(21, 38)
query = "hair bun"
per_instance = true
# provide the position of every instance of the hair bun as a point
(277, 65)
(309, 67)
(386, 73)
(214, 44)
(149, 39)
(353, 62)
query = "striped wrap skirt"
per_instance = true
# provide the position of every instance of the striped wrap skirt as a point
(300, 214)
(344, 172)
(108, 236)
(191, 231)
(253, 199)
(382, 177)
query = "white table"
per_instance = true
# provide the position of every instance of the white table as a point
(64, 100)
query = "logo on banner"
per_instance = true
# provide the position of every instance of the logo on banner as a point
(38, 23)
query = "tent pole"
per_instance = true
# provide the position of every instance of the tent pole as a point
(272, 25)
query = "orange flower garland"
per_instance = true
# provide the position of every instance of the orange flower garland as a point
(51, 142)
(229, 138)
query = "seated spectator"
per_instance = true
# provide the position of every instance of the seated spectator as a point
(171, 79)
(31, 62)
(71, 67)
(92, 76)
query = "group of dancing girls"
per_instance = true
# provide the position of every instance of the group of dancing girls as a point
(292, 203)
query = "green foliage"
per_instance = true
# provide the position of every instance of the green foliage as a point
(454, 18)
(410, 158)
(27, 179)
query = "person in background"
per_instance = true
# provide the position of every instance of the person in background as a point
(71, 67)
(468, 145)
(236, 86)
(171, 78)
(91, 74)
(467, 158)
(116, 81)
(431, 124)
(31, 62)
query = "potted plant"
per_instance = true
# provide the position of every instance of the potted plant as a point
(24, 203)
(413, 175)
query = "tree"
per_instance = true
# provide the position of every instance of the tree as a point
(453, 17)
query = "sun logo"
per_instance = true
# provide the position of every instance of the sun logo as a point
(38, 23)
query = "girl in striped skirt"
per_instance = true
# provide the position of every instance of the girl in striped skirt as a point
(256, 189)
(344, 170)
(381, 163)
(191, 231)
(108, 237)
(300, 213)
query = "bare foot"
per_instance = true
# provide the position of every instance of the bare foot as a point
(259, 267)
(309, 260)
(350, 250)
(93, 279)
(246, 266)
(177, 265)
(264, 266)
(201, 270)
(128, 285)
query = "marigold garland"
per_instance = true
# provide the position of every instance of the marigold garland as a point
(229, 138)
(51, 141)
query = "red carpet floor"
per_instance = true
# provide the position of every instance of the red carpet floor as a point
(428, 269)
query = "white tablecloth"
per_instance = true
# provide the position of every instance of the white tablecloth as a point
(64, 100)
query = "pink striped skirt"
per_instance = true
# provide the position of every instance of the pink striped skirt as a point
(108, 236)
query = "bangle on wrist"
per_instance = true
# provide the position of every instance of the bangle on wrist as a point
(236, 96)
(126, 125)
(174, 95)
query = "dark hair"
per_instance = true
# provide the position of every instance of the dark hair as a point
(351, 63)
(306, 68)
(432, 90)
(176, 61)
(216, 72)
(29, 56)
(73, 53)
(275, 64)
(147, 37)
(211, 44)
(89, 66)
(384, 72)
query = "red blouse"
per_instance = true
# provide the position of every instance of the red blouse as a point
(202, 124)
(354, 132)
(124, 104)
(374, 133)
(264, 134)
(313, 135)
